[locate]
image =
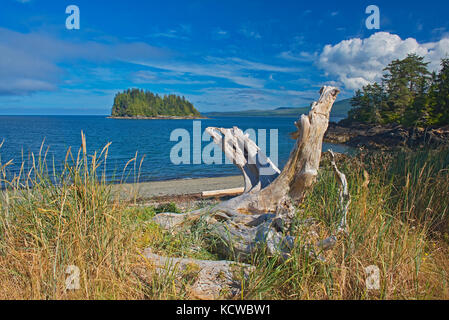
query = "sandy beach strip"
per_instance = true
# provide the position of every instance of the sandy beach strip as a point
(148, 190)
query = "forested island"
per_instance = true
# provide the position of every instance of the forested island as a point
(140, 104)
(409, 107)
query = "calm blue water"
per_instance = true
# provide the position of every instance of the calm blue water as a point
(23, 135)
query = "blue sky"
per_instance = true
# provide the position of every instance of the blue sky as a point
(222, 55)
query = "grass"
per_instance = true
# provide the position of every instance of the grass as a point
(397, 222)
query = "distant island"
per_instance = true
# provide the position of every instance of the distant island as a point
(140, 104)
(339, 110)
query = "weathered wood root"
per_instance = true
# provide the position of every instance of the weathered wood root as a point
(262, 216)
(171, 221)
(213, 279)
(301, 170)
(257, 169)
(345, 197)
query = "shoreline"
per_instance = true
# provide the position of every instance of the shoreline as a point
(385, 137)
(157, 118)
(176, 188)
(199, 188)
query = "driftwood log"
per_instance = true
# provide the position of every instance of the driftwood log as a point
(261, 217)
(212, 279)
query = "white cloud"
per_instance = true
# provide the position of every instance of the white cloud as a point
(296, 52)
(357, 62)
(250, 32)
(170, 78)
(236, 70)
(33, 62)
(206, 70)
(239, 63)
(233, 99)
(219, 34)
(181, 32)
(300, 57)
(29, 62)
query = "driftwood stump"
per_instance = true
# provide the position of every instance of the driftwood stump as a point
(261, 217)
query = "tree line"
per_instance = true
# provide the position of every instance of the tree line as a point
(408, 94)
(137, 102)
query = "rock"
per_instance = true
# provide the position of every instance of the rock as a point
(168, 220)
(213, 279)
(385, 137)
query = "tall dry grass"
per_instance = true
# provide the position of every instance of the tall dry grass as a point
(50, 221)
(397, 222)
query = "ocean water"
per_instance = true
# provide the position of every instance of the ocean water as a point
(23, 135)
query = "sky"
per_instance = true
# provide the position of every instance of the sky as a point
(221, 55)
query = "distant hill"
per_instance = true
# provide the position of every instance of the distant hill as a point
(136, 103)
(340, 110)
